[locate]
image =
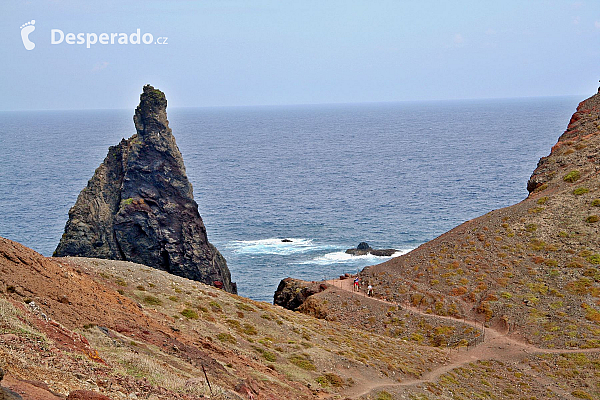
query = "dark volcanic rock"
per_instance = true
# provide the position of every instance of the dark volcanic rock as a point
(292, 293)
(7, 394)
(139, 205)
(363, 249)
(363, 246)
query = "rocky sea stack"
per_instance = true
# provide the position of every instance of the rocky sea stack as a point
(139, 205)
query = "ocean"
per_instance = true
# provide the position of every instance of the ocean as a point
(324, 176)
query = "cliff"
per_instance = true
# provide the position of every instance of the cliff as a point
(139, 205)
(576, 147)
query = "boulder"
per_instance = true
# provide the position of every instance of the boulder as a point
(292, 293)
(363, 246)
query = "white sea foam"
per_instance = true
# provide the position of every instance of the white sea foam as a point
(276, 246)
(340, 257)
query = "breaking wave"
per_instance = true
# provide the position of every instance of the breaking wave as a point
(277, 246)
(340, 257)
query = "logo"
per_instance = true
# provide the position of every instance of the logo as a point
(26, 29)
(89, 39)
(57, 36)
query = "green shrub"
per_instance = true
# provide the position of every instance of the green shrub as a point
(226, 337)
(580, 394)
(580, 190)
(551, 263)
(267, 355)
(383, 395)
(152, 301)
(579, 287)
(249, 329)
(189, 314)
(594, 259)
(531, 227)
(321, 380)
(596, 203)
(572, 176)
(330, 379)
(234, 324)
(216, 307)
(302, 361)
(334, 380)
(244, 307)
(537, 244)
(592, 218)
(542, 200)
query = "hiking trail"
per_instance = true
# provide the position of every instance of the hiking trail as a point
(495, 345)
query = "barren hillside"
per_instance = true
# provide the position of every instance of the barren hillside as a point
(126, 330)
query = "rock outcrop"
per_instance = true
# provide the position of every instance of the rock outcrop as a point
(582, 127)
(139, 205)
(364, 249)
(7, 394)
(292, 293)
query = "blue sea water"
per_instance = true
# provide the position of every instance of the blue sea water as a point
(325, 176)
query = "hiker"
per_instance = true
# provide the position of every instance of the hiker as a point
(370, 290)
(356, 287)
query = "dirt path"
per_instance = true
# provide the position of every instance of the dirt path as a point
(495, 345)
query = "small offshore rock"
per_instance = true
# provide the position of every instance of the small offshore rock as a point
(364, 249)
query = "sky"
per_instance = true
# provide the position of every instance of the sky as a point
(255, 52)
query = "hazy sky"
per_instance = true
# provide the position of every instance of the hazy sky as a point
(227, 52)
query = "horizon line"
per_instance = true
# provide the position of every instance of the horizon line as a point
(306, 104)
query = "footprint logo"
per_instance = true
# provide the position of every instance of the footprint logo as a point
(26, 29)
